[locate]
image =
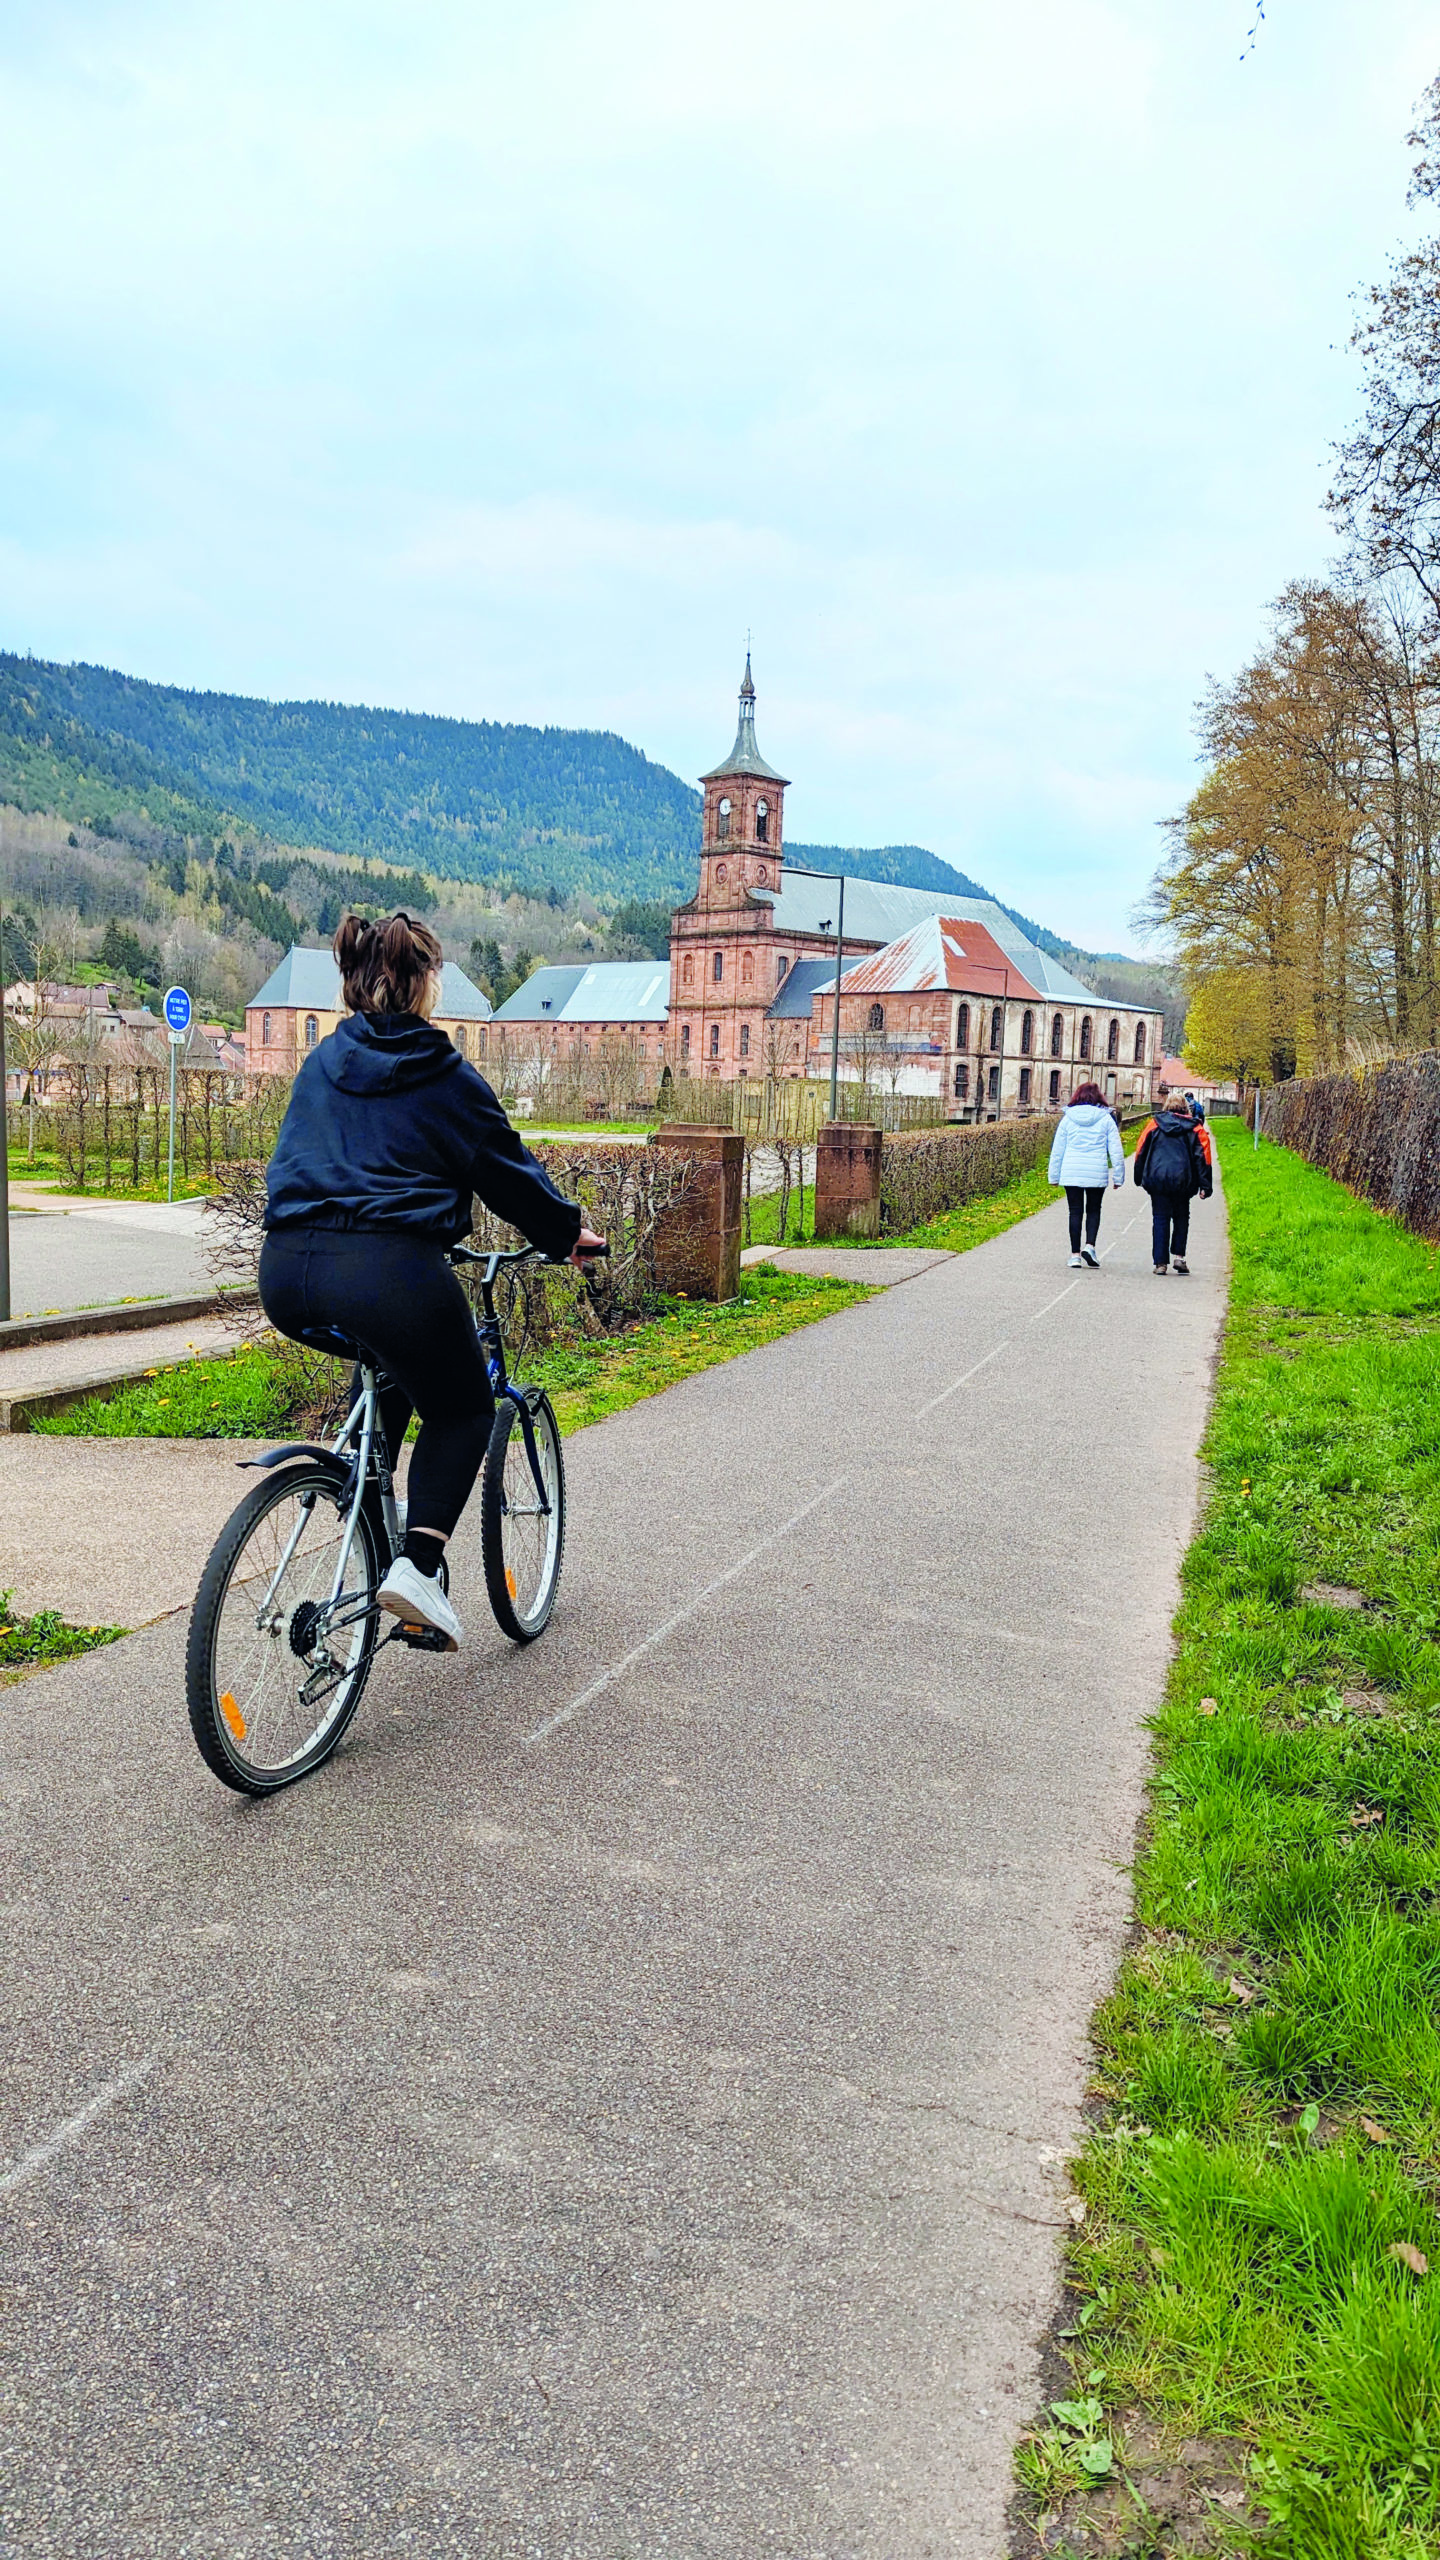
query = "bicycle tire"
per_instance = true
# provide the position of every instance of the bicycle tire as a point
(522, 1568)
(223, 1721)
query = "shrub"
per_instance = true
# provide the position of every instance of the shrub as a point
(1377, 1131)
(924, 1172)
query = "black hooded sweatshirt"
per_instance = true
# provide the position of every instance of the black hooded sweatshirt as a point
(1171, 1158)
(389, 1128)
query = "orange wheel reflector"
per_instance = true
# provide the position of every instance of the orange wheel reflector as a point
(232, 1715)
(510, 1582)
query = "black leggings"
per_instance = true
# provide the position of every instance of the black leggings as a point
(1089, 1201)
(397, 1296)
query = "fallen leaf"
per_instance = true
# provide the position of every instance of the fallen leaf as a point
(1376, 2131)
(1409, 2256)
(1209, 1706)
(1240, 1990)
(1363, 1815)
(1310, 2120)
(1076, 2211)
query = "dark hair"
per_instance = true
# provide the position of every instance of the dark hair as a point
(1087, 1093)
(384, 966)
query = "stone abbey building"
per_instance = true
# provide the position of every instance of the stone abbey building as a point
(940, 995)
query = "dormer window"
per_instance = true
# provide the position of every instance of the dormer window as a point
(722, 820)
(762, 821)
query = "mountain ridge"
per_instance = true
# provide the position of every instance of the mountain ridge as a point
(508, 803)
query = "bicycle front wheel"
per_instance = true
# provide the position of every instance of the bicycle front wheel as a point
(277, 1660)
(522, 1521)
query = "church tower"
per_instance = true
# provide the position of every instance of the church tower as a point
(741, 832)
(725, 967)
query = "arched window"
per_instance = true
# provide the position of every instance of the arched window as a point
(747, 970)
(962, 1082)
(312, 1030)
(1025, 1073)
(1139, 1044)
(1027, 1035)
(1112, 1044)
(1085, 1037)
(722, 820)
(781, 965)
(460, 1039)
(264, 1030)
(962, 1035)
(687, 970)
(877, 1017)
(1057, 1036)
(1054, 1084)
(762, 821)
(744, 1039)
(717, 967)
(684, 1039)
(997, 1028)
(714, 1039)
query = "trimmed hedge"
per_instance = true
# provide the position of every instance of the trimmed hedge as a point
(924, 1172)
(1377, 1131)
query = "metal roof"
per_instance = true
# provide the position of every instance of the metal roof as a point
(312, 978)
(608, 991)
(941, 952)
(745, 756)
(879, 912)
(800, 986)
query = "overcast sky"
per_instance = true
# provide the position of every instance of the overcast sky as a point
(982, 360)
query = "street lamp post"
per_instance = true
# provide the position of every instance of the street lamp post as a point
(804, 872)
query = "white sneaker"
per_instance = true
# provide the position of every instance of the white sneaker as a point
(1074, 1261)
(417, 1599)
(1089, 1255)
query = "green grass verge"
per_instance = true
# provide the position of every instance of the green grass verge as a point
(252, 1396)
(1261, 2188)
(29, 1644)
(48, 1174)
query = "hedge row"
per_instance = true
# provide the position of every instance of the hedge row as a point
(1377, 1131)
(924, 1172)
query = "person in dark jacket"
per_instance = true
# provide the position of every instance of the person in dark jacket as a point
(1172, 1164)
(388, 1135)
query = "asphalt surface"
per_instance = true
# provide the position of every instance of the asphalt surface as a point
(616, 2109)
(94, 1253)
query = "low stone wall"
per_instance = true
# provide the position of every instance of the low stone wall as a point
(1377, 1131)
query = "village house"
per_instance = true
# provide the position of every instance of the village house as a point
(300, 1003)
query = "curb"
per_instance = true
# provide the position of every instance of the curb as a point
(20, 1412)
(74, 1323)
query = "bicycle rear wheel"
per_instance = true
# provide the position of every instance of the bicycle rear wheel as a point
(273, 1674)
(522, 1539)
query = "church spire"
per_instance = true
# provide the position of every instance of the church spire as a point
(745, 756)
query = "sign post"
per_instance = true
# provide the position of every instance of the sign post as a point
(177, 1016)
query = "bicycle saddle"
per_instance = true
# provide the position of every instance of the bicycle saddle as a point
(342, 1346)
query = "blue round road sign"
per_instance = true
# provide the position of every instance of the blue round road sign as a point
(177, 1008)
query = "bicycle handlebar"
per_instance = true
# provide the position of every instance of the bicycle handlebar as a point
(495, 1262)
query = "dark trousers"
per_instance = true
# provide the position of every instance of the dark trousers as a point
(1090, 1202)
(1170, 1214)
(397, 1296)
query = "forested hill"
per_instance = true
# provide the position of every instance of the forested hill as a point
(574, 810)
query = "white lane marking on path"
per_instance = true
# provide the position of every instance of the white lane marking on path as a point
(1053, 1302)
(31, 2163)
(957, 1383)
(678, 1617)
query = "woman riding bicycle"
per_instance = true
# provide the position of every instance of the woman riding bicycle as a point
(388, 1135)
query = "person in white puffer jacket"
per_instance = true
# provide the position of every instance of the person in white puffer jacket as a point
(1087, 1156)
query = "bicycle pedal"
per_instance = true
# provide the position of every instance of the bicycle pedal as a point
(423, 1639)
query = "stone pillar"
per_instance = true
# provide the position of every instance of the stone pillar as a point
(847, 1179)
(697, 1243)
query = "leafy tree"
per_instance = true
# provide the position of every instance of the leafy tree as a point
(640, 929)
(1387, 486)
(122, 951)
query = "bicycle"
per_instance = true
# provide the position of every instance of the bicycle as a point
(286, 1625)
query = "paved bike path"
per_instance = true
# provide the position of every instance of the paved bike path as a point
(614, 2109)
